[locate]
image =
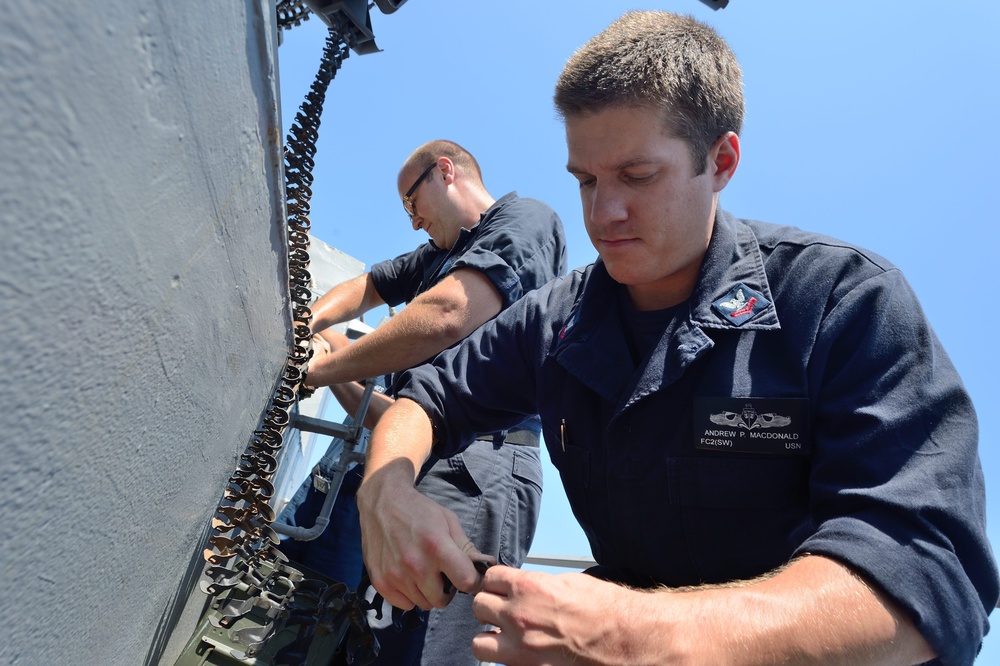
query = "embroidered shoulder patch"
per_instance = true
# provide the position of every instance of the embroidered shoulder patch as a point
(740, 305)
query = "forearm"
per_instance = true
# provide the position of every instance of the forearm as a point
(815, 611)
(407, 339)
(344, 302)
(431, 323)
(409, 541)
(349, 396)
(403, 433)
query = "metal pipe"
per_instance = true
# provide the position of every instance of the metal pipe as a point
(350, 435)
(566, 561)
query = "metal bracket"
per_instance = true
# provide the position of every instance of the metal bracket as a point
(350, 435)
(355, 16)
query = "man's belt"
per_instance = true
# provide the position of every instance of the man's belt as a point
(518, 437)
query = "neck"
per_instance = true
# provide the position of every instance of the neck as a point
(666, 292)
(645, 298)
(476, 202)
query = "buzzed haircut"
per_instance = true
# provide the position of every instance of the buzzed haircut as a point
(670, 63)
(428, 153)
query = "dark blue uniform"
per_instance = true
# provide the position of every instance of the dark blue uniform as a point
(798, 402)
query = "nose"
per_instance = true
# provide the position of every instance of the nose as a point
(417, 222)
(606, 203)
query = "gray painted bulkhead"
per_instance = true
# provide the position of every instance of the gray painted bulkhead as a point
(144, 315)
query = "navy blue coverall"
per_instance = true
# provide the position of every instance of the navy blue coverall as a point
(797, 402)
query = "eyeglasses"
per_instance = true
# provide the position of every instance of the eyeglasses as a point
(407, 201)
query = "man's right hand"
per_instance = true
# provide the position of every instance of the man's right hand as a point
(411, 543)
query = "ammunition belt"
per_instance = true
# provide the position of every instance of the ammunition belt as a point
(245, 570)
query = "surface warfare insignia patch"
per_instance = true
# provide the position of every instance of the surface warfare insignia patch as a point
(740, 305)
(752, 425)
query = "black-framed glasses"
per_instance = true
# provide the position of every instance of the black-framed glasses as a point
(407, 201)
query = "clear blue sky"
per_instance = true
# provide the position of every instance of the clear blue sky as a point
(869, 121)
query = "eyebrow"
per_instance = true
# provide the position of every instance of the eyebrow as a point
(637, 161)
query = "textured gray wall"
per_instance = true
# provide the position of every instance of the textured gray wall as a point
(143, 314)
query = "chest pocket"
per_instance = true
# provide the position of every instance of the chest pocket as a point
(741, 515)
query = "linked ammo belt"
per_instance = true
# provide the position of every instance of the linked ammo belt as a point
(519, 437)
(246, 572)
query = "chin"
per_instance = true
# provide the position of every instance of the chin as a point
(622, 271)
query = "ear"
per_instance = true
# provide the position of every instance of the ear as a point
(723, 158)
(447, 170)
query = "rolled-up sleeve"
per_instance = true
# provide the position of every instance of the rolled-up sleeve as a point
(897, 486)
(518, 246)
(399, 280)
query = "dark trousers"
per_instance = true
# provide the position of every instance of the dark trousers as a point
(336, 553)
(494, 489)
(496, 492)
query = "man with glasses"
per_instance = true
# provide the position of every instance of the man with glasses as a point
(483, 255)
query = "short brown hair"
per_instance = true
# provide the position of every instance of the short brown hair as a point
(668, 62)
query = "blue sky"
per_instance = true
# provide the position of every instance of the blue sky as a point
(869, 121)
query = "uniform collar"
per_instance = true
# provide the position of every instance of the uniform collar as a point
(497, 205)
(591, 343)
(464, 234)
(732, 289)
